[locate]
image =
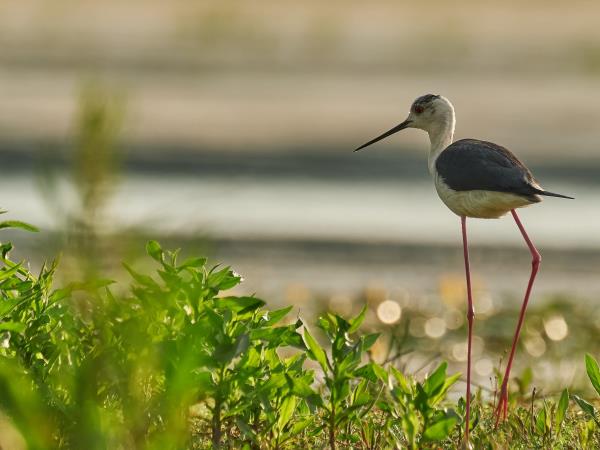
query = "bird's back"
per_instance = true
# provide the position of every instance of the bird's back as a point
(472, 164)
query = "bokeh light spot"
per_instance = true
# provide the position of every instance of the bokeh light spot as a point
(435, 327)
(485, 305)
(535, 345)
(454, 318)
(556, 328)
(459, 351)
(389, 312)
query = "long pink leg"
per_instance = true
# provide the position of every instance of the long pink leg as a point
(501, 409)
(470, 315)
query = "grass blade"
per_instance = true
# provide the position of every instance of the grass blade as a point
(315, 351)
(591, 366)
(18, 224)
(563, 404)
(587, 408)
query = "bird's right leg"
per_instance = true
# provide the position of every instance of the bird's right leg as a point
(470, 315)
(501, 408)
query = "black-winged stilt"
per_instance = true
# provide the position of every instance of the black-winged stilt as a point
(475, 179)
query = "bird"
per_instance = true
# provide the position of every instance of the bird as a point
(475, 179)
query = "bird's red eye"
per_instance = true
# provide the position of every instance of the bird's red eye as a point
(418, 109)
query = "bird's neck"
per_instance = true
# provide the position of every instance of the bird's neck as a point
(441, 135)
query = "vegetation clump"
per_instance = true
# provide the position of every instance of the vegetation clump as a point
(175, 362)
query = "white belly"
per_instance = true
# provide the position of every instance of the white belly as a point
(480, 204)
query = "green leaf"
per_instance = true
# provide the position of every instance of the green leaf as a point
(142, 279)
(440, 429)
(285, 412)
(435, 381)
(300, 386)
(223, 279)
(5, 249)
(540, 422)
(368, 341)
(441, 393)
(18, 224)
(300, 425)
(402, 381)
(278, 336)
(7, 273)
(410, 425)
(586, 407)
(326, 324)
(17, 327)
(315, 352)
(561, 410)
(348, 364)
(381, 373)
(240, 305)
(154, 250)
(7, 306)
(361, 395)
(372, 372)
(195, 263)
(366, 372)
(226, 352)
(272, 317)
(358, 320)
(591, 366)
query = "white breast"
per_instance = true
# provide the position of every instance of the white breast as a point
(478, 203)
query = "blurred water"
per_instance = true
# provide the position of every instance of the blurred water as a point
(316, 209)
(373, 211)
(341, 235)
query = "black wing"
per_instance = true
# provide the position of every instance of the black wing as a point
(471, 164)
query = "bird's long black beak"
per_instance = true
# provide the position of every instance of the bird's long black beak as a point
(397, 128)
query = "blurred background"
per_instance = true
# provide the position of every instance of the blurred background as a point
(227, 128)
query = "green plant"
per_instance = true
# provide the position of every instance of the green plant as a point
(348, 394)
(126, 369)
(415, 415)
(94, 163)
(174, 361)
(593, 372)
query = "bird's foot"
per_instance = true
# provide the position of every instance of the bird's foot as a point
(502, 407)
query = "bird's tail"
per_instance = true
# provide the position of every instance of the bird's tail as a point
(553, 194)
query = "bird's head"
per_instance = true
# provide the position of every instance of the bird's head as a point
(429, 113)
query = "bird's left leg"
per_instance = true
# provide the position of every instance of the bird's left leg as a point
(501, 408)
(470, 315)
